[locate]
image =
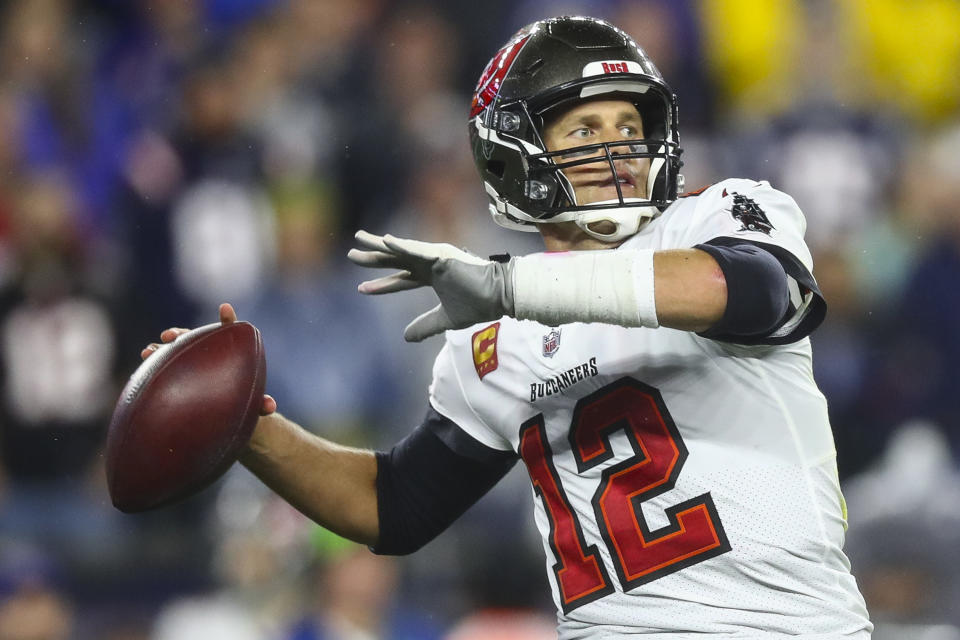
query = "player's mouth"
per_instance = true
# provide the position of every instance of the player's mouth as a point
(607, 187)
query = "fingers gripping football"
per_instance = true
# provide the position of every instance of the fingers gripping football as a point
(227, 316)
(470, 289)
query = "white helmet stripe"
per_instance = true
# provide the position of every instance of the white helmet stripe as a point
(492, 136)
(656, 166)
(609, 87)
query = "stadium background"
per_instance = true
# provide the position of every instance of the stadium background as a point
(160, 156)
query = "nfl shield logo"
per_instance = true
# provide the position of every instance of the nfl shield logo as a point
(551, 342)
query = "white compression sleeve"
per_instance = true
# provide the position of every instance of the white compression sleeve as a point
(613, 287)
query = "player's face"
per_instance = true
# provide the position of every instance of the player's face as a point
(591, 123)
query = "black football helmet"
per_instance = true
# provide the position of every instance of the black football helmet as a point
(556, 63)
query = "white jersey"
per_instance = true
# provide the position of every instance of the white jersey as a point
(683, 485)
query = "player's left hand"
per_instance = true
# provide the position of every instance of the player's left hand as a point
(470, 289)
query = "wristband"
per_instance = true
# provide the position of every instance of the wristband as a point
(613, 287)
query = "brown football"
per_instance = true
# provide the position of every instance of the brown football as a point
(184, 416)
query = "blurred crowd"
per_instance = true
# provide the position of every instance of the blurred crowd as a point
(158, 157)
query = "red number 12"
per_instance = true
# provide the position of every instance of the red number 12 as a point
(694, 532)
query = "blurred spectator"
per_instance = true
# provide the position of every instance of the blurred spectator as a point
(195, 208)
(504, 625)
(412, 114)
(922, 339)
(324, 37)
(843, 364)
(882, 255)
(223, 242)
(298, 126)
(35, 612)
(259, 550)
(336, 378)
(60, 356)
(858, 363)
(838, 165)
(670, 34)
(69, 120)
(356, 597)
(298, 85)
(33, 604)
(146, 56)
(903, 539)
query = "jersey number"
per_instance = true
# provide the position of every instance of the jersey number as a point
(639, 554)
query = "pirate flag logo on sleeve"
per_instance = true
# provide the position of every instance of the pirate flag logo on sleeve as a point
(749, 213)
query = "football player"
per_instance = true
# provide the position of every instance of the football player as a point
(651, 370)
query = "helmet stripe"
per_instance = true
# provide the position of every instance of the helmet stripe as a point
(488, 86)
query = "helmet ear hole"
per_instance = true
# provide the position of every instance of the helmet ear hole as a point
(653, 114)
(496, 167)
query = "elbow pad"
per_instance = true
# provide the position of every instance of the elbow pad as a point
(758, 296)
(426, 482)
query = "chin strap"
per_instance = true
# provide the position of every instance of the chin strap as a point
(626, 220)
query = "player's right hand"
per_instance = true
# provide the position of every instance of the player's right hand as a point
(227, 316)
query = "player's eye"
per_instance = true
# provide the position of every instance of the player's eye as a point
(580, 134)
(628, 132)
